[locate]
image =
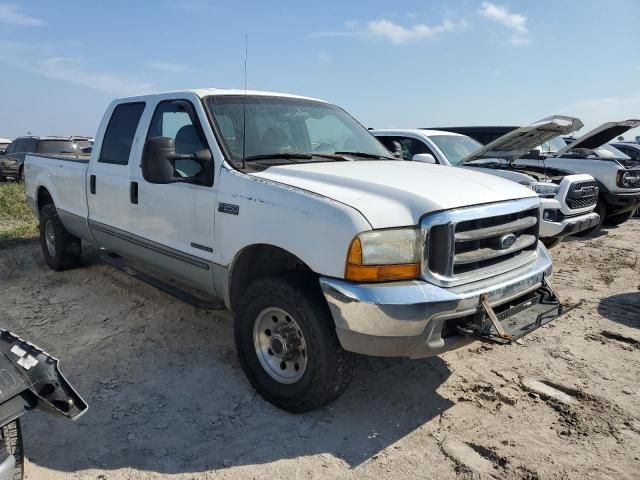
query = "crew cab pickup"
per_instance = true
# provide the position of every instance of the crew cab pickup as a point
(568, 201)
(299, 221)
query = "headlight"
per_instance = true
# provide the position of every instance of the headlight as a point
(381, 255)
(544, 189)
(628, 179)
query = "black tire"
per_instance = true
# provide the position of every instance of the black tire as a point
(20, 177)
(618, 219)
(11, 435)
(329, 369)
(66, 247)
(550, 242)
(601, 210)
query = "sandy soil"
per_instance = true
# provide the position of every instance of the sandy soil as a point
(168, 399)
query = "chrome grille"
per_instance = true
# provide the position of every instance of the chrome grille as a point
(582, 195)
(470, 244)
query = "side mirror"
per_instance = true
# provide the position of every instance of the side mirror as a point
(424, 158)
(159, 161)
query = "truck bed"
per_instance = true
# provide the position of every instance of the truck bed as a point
(64, 178)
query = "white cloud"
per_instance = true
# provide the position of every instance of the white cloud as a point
(74, 71)
(42, 60)
(9, 14)
(324, 57)
(170, 67)
(397, 34)
(515, 22)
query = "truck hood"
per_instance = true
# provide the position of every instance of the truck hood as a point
(522, 140)
(599, 136)
(396, 193)
(509, 174)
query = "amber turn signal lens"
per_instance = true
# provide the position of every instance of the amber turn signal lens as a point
(381, 273)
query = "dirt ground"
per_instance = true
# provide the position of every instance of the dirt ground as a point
(168, 399)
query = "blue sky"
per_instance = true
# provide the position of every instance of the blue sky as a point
(391, 64)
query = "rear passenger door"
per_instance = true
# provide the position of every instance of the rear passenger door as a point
(12, 159)
(108, 177)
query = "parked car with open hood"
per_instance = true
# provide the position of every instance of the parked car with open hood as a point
(298, 220)
(618, 179)
(568, 200)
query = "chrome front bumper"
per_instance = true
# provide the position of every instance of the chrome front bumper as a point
(407, 319)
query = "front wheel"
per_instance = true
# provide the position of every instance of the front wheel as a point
(287, 345)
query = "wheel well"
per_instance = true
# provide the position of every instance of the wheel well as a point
(43, 198)
(259, 261)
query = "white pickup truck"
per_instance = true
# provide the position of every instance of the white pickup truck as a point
(295, 217)
(568, 201)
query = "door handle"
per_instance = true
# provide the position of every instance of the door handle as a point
(133, 192)
(92, 184)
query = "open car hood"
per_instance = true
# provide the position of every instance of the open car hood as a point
(599, 136)
(521, 141)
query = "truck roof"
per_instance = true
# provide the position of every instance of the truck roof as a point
(207, 92)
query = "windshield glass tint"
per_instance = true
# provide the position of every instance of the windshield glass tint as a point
(277, 125)
(609, 151)
(455, 147)
(553, 145)
(55, 146)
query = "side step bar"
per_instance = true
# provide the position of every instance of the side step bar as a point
(121, 264)
(515, 320)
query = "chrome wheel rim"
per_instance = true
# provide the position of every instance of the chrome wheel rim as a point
(280, 345)
(50, 239)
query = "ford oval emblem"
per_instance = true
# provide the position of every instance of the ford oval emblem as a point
(507, 240)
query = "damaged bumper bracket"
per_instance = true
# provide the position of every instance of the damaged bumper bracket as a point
(513, 321)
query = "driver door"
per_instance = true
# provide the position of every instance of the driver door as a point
(174, 221)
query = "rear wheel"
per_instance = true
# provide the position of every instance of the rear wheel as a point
(286, 341)
(11, 438)
(61, 250)
(618, 219)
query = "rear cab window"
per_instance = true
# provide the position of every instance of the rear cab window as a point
(55, 147)
(120, 132)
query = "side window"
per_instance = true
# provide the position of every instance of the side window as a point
(410, 146)
(21, 143)
(12, 147)
(177, 119)
(32, 145)
(121, 130)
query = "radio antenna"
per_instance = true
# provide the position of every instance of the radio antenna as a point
(244, 100)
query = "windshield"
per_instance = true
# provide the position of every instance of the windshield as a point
(609, 151)
(553, 145)
(55, 146)
(455, 147)
(288, 126)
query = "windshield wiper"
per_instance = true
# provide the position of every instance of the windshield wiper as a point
(276, 156)
(366, 155)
